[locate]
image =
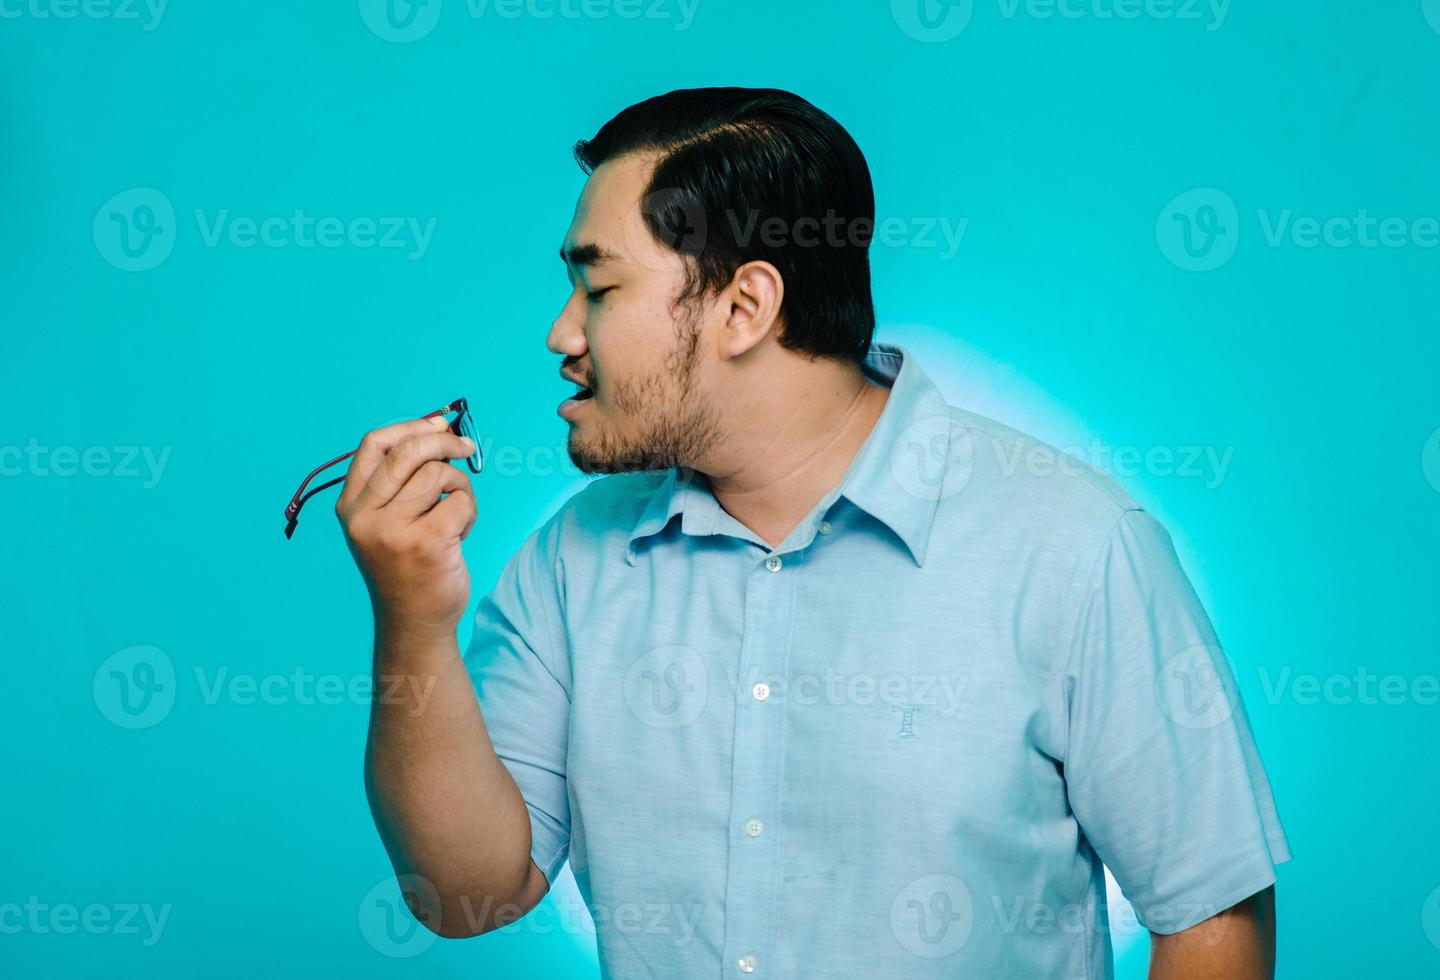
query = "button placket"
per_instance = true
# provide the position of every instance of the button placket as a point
(758, 764)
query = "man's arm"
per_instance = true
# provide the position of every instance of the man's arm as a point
(1237, 944)
(1161, 770)
(446, 808)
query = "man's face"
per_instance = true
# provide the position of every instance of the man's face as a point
(622, 338)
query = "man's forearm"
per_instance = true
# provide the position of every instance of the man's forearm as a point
(1237, 944)
(446, 807)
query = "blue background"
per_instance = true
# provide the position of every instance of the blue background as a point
(1071, 310)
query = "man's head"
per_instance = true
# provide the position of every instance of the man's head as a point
(721, 230)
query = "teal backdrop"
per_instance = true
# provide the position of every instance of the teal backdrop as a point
(1192, 242)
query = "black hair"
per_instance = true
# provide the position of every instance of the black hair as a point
(758, 173)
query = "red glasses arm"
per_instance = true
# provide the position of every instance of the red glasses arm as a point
(292, 509)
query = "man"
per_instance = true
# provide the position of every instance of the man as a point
(829, 678)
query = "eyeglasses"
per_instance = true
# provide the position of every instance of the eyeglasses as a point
(461, 425)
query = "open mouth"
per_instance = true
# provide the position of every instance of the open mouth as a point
(571, 405)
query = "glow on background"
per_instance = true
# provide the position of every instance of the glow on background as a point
(1138, 272)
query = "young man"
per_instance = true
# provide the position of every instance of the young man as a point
(829, 678)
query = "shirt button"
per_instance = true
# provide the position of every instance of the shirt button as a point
(754, 827)
(773, 563)
(747, 963)
(760, 691)
(824, 527)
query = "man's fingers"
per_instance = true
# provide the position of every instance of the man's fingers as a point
(373, 448)
(398, 465)
(422, 491)
(455, 515)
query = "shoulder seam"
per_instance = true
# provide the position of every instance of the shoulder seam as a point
(1093, 476)
(550, 566)
(1085, 584)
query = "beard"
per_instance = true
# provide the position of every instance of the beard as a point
(677, 424)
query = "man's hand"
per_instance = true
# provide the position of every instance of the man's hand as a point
(405, 510)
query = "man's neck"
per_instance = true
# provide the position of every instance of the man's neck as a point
(792, 460)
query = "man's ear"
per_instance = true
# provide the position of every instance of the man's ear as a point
(754, 297)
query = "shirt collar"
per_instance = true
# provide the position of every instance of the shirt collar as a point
(875, 481)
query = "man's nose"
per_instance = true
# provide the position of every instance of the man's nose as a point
(567, 331)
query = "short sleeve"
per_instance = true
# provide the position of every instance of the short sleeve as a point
(1162, 771)
(518, 664)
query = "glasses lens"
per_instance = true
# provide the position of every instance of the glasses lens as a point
(467, 429)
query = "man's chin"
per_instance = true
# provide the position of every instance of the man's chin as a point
(589, 460)
(596, 461)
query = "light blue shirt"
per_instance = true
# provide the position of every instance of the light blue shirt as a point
(902, 743)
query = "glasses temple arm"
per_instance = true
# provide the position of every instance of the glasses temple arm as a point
(292, 509)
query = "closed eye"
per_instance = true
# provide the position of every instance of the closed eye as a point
(594, 297)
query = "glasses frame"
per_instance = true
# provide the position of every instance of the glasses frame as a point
(462, 425)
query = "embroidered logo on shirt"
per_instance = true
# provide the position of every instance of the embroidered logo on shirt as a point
(907, 719)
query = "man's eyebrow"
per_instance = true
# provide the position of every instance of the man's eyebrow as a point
(586, 254)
